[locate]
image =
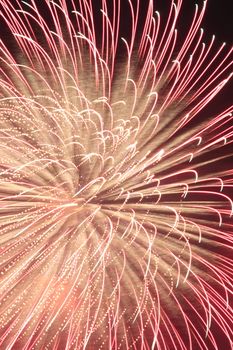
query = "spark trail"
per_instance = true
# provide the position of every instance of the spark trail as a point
(115, 180)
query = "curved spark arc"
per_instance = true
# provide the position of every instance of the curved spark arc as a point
(115, 224)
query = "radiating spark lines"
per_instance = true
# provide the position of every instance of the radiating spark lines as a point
(115, 179)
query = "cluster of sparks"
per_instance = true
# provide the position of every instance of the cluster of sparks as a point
(115, 180)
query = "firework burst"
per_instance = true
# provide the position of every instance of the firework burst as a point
(115, 180)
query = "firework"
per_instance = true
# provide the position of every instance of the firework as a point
(115, 179)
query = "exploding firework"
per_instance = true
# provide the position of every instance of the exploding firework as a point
(115, 179)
